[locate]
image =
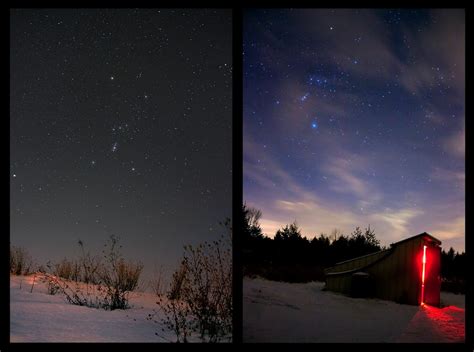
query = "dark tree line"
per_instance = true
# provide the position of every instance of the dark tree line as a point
(292, 257)
(453, 271)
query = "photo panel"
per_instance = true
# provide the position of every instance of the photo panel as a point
(354, 175)
(121, 175)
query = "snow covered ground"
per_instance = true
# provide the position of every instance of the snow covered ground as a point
(284, 312)
(40, 317)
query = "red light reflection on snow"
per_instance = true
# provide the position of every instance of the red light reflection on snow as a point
(449, 321)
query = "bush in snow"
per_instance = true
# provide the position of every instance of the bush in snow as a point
(88, 266)
(105, 284)
(177, 282)
(119, 277)
(157, 283)
(200, 299)
(20, 261)
(176, 310)
(52, 285)
(64, 269)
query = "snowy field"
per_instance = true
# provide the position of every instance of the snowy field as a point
(40, 317)
(284, 312)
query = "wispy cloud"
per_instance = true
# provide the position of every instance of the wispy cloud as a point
(435, 48)
(450, 177)
(270, 227)
(355, 51)
(456, 143)
(450, 232)
(348, 175)
(439, 48)
(315, 216)
(398, 220)
(290, 201)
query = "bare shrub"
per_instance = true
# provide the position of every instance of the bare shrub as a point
(157, 283)
(119, 277)
(176, 318)
(200, 297)
(21, 262)
(76, 271)
(88, 266)
(87, 295)
(64, 269)
(208, 289)
(94, 283)
(177, 282)
(52, 286)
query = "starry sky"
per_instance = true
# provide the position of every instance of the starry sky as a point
(356, 117)
(120, 123)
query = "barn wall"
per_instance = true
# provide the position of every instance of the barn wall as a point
(397, 276)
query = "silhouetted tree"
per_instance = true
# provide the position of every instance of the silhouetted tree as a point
(370, 238)
(289, 233)
(453, 271)
(289, 256)
(251, 228)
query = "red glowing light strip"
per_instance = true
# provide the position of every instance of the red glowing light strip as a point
(423, 276)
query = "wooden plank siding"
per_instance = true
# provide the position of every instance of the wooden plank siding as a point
(396, 272)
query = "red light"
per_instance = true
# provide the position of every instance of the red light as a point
(423, 276)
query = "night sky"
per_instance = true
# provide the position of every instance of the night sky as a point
(356, 117)
(121, 124)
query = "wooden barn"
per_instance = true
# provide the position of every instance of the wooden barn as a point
(408, 272)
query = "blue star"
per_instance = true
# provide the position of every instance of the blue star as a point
(314, 125)
(304, 97)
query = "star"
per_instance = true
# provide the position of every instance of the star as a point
(14, 175)
(114, 147)
(314, 125)
(112, 78)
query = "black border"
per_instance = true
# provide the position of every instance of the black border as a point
(237, 134)
(5, 240)
(469, 327)
(237, 172)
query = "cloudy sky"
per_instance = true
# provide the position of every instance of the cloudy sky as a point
(120, 124)
(356, 117)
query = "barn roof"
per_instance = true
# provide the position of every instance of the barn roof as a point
(426, 236)
(387, 251)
